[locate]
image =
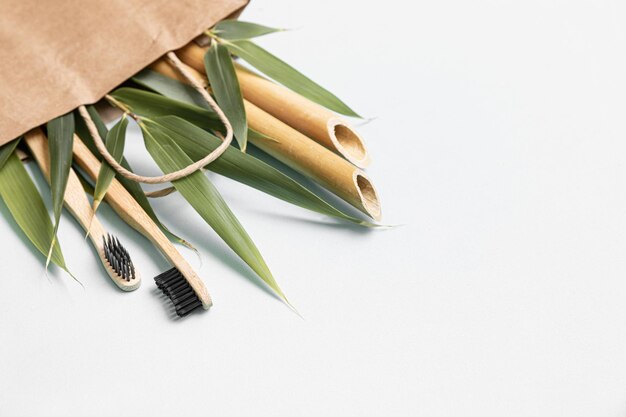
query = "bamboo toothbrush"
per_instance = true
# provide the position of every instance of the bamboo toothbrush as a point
(113, 255)
(180, 283)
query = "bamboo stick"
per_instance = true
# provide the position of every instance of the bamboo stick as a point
(302, 154)
(311, 119)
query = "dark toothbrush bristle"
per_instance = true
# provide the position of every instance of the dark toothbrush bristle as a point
(182, 296)
(166, 276)
(118, 258)
(174, 285)
(184, 311)
(185, 301)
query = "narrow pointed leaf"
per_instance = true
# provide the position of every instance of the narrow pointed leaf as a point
(225, 85)
(285, 74)
(237, 29)
(7, 149)
(162, 84)
(115, 140)
(131, 186)
(60, 141)
(147, 104)
(256, 135)
(206, 200)
(247, 169)
(27, 208)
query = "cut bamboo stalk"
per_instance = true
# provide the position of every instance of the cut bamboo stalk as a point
(303, 154)
(311, 119)
(315, 161)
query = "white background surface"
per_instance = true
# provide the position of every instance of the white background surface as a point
(499, 143)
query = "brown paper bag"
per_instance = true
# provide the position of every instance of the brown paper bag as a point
(58, 54)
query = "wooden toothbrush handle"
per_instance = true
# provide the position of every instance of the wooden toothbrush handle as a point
(132, 213)
(75, 199)
(77, 203)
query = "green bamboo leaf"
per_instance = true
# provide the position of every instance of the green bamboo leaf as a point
(131, 186)
(60, 141)
(247, 169)
(180, 92)
(115, 140)
(162, 84)
(236, 29)
(285, 74)
(27, 207)
(225, 86)
(256, 135)
(147, 104)
(7, 149)
(206, 200)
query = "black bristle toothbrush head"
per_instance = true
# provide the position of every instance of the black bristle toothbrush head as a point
(117, 256)
(173, 284)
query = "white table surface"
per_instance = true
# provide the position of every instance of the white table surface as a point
(499, 145)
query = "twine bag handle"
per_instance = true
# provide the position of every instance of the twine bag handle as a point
(176, 175)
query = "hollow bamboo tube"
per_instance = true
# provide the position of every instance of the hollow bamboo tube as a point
(315, 161)
(309, 118)
(302, 154)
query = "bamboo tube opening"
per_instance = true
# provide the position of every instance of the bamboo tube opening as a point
(369, 197)
(348, 142)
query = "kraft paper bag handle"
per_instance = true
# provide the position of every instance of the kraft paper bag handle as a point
(176, 175)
